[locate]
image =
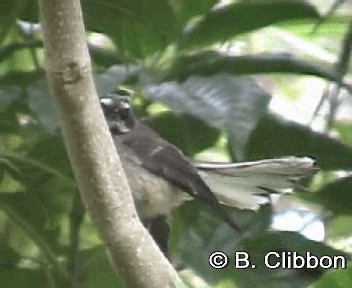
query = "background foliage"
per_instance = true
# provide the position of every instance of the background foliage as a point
(245, 80)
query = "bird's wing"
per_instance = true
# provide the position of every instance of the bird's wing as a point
(246, 185)
(167, 161)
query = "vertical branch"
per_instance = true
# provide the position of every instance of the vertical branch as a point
(101, 181)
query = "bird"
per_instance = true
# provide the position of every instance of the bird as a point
(162, 177)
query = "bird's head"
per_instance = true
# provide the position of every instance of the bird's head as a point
(118, 112)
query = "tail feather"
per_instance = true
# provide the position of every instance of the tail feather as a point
(246, 185)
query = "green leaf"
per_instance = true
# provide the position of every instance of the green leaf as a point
(45, 173)
(187, 9)
(138, 28)
(9, 257)
(279, 242)
(113, 77)
(194, 229)
(96, 270)
(33, 173)
(26, 210)
(171, 126)
(42, 103)
(9, 95)
(8, 123)
(228, 21)
(222, 101)
(335, 196)
(22, 277)
(275, 136)
(340, 278)
(210, 63)
(340, 226)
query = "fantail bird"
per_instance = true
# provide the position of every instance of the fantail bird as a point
(161, 177)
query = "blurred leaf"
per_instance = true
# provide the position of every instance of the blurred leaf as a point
(113, 77)
(340, 226)
(9, 257)
(96, 269)
(33, 173)
(187, 9)
(8, 95)
(26, 210)
(46, 173)
(137, 27)
(43, 104)
(340, 278)
(6, 23)
(20, 78)
(193, 230)
(222, 101)
(210, 62)
(196, 135)
(344, 130)
(283, 242)
(23, 278)
(51, 152)
(103, 56)
(275, 136)
(332, 10)
(30, 12)
(14, 8)
(9, 11)
(41, 101)
(8, 123)
(335, 196)
(228, 21)
(7, 50)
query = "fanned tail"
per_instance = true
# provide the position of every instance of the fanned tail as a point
(246, 185)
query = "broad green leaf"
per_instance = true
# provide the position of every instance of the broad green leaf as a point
(194, 229)
(335, 196)
(42, 103)
(26, 210)
(234, 104)
(344, 130)
(340, 226)
(9, 95)
(275, 137)
(228, 21)
(184, 131)
(96, 270)
(340, 278)
(9, 257)
(210, 63)
(138, 28)
(8, 123)
(33, 173)
(283, 242)
(46, 173)
(23, 277)
(113, 77)
(50, 151)
(187, 9)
